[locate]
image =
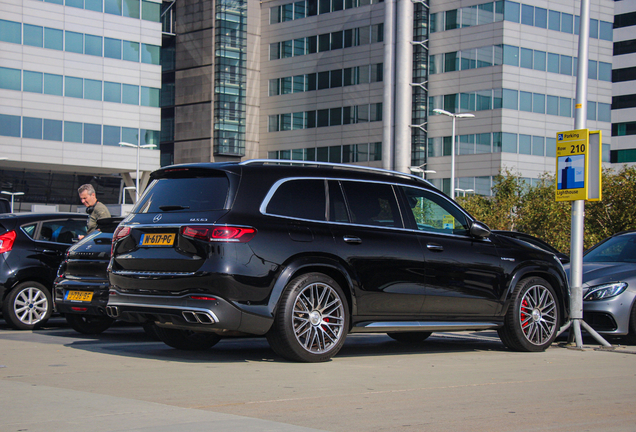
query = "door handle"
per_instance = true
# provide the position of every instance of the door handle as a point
(435, 247)
(51, 252)
(352, 239)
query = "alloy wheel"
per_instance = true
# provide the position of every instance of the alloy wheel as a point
(538, 315)
(318, 318)
(31, 306)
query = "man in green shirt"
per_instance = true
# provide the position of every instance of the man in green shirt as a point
(95, 209)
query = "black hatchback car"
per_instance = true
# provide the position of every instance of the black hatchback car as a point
(307, 253)
(32, 245)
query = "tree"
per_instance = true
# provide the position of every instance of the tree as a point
(616, 211)
(517, 206)
(499, 211)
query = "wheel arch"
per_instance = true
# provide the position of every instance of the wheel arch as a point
(27, 275)
(557, 279)
(299, 266)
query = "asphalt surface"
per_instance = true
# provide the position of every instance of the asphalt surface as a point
(55, 379)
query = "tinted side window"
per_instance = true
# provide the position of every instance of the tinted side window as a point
(372, 204)
(29, 229)
(433, 213)
(62, 231)
(303, 199)
(184, 194)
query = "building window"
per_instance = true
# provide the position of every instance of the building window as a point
(10, 32)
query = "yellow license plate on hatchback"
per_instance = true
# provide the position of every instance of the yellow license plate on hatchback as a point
(157, 239)
(82, 296)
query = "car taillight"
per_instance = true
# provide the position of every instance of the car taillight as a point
(120, 233)
(233, 234)
(6, 241)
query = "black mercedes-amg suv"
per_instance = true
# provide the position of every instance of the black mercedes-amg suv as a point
(306, 253)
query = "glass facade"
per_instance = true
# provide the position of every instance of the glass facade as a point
(82, 88)
(56, 52)
(58, 188)
(306, 8)
(525, 14)
(420, 76)
(145, 10)
(328, 79)
(515, 56)
(337, 116)
(68, 131)
(350, 153)
(230, 77)
(327, 42)
(78, 43)
(515, 100)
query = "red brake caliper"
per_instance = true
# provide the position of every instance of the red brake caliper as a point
(524, 314)
(325, 320)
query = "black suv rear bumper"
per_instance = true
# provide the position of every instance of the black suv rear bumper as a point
(216, 316)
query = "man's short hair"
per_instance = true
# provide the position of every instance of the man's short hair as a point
(86, 187)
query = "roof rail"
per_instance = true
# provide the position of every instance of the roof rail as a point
(332, 165)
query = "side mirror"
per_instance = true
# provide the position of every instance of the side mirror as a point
(479, 230)
(563, 258)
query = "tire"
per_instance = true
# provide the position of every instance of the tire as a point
(28, 306)
(409, 337)
(151, 330)
(533, 318)
(187, 340)
(312, 320)
(89, 324)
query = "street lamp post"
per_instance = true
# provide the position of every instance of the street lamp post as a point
(138, 146)
(13, 194)
(453, 116)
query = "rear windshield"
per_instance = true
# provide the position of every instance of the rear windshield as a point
(184, 194)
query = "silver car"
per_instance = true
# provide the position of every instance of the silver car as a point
(609, 286)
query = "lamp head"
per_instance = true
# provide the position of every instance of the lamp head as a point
(443, 112)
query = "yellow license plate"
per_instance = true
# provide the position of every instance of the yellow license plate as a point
(157, 239)
(83, 296)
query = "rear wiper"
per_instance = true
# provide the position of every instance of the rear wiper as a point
(173, 207)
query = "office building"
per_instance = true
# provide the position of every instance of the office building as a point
(77, 78)
(351, 81)
(624, 84)
(323, 80)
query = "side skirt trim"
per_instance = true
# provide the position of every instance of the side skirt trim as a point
(415, 326)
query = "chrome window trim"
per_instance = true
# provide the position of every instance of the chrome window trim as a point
(277, 184)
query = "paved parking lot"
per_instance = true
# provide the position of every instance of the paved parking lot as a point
(57, 380)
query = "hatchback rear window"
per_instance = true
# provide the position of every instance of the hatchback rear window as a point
(184, 194)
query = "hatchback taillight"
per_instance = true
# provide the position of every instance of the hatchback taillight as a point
(213, 233)
(6, 241)
(120, 233)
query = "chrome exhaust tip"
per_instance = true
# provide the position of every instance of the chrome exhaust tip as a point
(190, 317)
(204, 318)
(197, 317)
(112, 311)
